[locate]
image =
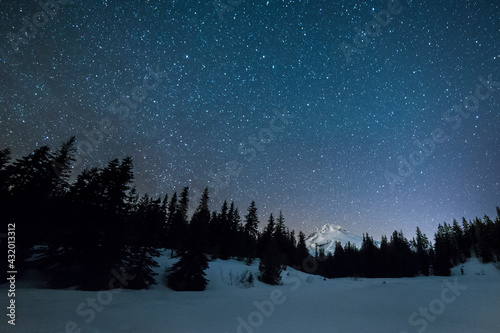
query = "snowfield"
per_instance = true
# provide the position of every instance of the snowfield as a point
(304, 303)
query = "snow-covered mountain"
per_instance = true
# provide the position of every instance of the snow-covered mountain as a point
(327, 236)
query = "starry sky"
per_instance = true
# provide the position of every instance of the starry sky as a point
(375, 115)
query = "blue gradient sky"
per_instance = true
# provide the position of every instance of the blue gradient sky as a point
(281, 102)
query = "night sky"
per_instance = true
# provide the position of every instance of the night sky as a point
(374, 115)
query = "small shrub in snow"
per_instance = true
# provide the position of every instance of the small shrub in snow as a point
(244, 280)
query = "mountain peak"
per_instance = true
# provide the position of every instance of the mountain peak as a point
(330, 227)
(326, 236)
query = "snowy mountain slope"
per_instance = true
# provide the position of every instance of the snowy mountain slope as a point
(329, 234)
(474, 267)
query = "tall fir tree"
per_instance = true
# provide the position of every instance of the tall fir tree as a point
(465, 243)
(369, 256)
(239, 234)
(486, 238)
(62, 161)
(339, 261)
(233, 236)
(179, 226)
(352, 260)
(146, 222)
(401, 258)
(422, 246)
(251, 232)
(280, 236)
(384, 264)
(94, 245)
(171, 231)
(442, 252)
(496, 235)
(266, 236)
(270, 266)
(30, 184)
(291, 248)
(301, 253)
(200, 223)
(225, 233)
(188, 274)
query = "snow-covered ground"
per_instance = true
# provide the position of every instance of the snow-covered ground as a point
(304, 303)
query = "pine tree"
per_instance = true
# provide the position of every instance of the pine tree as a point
(163, 233)
(339, 264)
(454, 234)
(384, 264)
(30, 184)
(473, 235)
(146, 222)
(280, 235)
(270, 266)
(61, 166)
(116, 179)
(369, 256)
(465, 243)
(496, 235)
(442, 263)
(301, 252)
(188, 274)
(251, 232)
(352, 260)
(4, 158)
(291, 248)
(33, 174)
(214, 238)
(329, 266)
(401, 258)
(183, 206)
(239, 240)
(458, 242)
(94, 243)
(179, 224)
(171, 232)
(225, 233)
(234, 238)
(266, 236)
(422, 252)
(432, 259)
(62, 160)
(485, 239)
(200, 222)
(280, 232)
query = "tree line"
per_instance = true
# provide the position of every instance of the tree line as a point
(80, 233)
(400, 257)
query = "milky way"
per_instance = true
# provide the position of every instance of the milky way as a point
(378, 115)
